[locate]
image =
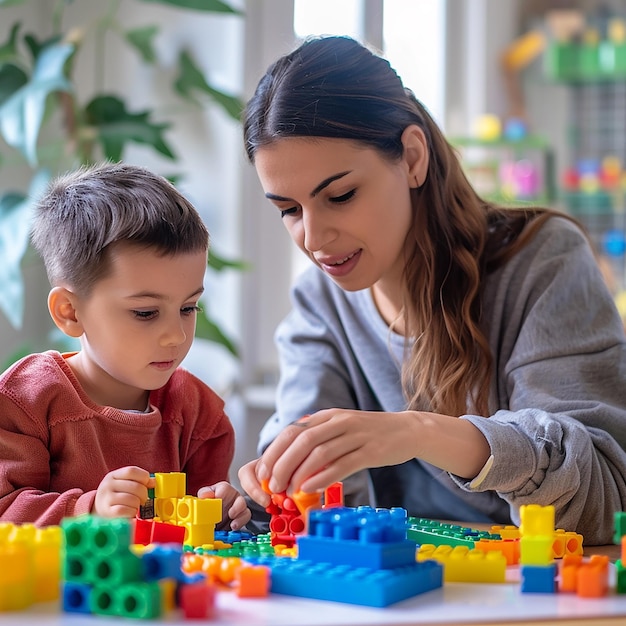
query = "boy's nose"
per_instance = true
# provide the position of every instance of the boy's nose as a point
(174, 334)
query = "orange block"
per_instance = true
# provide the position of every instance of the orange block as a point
(253, 581)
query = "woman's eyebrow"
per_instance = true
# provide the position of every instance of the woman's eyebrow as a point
(320, 187)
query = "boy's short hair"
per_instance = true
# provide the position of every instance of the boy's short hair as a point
(83, 213)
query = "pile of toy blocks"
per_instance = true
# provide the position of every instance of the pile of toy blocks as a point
(105, 575)
(30, 565)
(170, 515)
(357, 556)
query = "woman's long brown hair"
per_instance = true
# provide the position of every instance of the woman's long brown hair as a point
(335, 87)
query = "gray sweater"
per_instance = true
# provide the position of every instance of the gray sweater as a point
(557, 428)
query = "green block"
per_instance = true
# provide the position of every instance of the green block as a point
(619, 526)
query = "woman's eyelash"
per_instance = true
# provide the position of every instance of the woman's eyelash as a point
(288, 211)
(344, 198)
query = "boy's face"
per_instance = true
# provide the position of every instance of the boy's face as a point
(138, 324)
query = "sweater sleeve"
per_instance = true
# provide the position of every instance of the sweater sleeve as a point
(25, 471)
(560, 433)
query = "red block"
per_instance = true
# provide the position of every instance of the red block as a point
(197, 600)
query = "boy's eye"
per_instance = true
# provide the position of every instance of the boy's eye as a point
(145, 315)
(189, 310)
(290, 211)
(344, 198)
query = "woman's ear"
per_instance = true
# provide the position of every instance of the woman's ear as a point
(415, 155)
(62, 306)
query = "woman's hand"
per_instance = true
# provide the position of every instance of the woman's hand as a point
(328, 446)
(122, 491)
(251, 484)
(234, 507)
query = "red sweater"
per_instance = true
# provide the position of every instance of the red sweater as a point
(56, 445)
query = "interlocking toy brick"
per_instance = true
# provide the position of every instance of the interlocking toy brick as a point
(421, 530)
(343, 583)
(253, 581)
(198, 600)
(536, 520)
(170, 485)
(462, 564)
(538, 578)
(566, 542)
(510, 548)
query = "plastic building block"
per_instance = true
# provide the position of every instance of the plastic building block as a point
(170, 485)
(536, 520)
(566, 543)
(198, 600)
(506, 532)
(76, 597)
(342, 583)
(138, 600)
(620, 582)
(355, 553)
(510, 548)
(569, 572)
(162, 561)
(364, 523)
(16, 576)
(162, 532)
(199, 510)
(333, 496)
(619, 525)
(538, 578)
(462, 564)
(588, 579)
(423, 530)
(536, 550)
(253, 581)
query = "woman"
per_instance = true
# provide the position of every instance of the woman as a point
(470, 357)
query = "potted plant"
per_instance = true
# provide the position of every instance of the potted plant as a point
(49, 127)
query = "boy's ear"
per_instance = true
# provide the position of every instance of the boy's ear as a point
(62, 307)
(415, 155)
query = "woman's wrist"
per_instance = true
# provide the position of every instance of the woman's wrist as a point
(450, 443)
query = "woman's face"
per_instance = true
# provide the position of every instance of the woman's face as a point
(345, 206)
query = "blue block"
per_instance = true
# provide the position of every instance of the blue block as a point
(343, 583)
(362, 523)
(76, 597)
(356, 553)
(163, 561)
(538, 578)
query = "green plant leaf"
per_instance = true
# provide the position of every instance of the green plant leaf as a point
(8, 3)
(141, 39)
(191, 79)
(212, 6)
(15, 212)
(8, 50)
(115, 127)
(219, 263)
(21, 115)
(209, 330)
(12, 79)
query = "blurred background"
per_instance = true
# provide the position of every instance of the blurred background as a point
(533, 95)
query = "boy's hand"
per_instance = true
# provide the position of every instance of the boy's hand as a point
(233, 505)
(122, 491)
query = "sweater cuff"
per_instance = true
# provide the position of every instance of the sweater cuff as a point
(84, 504)
(498, 473)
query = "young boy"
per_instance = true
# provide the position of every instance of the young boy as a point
(126, 255)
